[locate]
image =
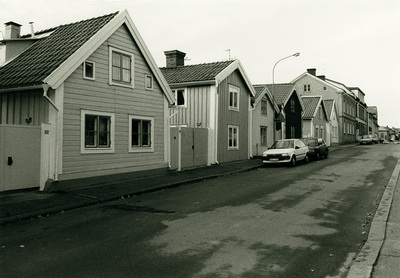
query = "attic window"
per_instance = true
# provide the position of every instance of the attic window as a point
(121, 68)
(148, 82)
(233, 98)
(88, 70)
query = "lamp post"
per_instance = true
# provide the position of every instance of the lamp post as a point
(273, 83)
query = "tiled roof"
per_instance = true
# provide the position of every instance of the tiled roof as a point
(280, 92)
(328, 105)
(33, 65)
(193, 73)
(259, 88)
(310, 105)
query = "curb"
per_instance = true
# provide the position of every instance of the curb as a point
(368, 256)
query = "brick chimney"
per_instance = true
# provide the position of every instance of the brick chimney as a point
(175, 58)
(13, 30)
(312, 71)
(322, 77)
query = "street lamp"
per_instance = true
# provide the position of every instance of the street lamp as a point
(273, 81)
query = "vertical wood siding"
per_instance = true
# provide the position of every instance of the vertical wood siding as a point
(197, 113)
(229, 117)
(15, 107)
(98, 95)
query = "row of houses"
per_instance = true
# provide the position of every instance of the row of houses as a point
(87, 99)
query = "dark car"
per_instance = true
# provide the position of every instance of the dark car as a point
(317, 147)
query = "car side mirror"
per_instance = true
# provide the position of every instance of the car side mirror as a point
(297, 147)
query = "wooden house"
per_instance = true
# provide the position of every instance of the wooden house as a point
(315, 117)
(80, 100)
(213, 96)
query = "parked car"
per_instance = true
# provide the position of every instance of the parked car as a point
(366, 139)
(375, 139)
(286, 151)
(317, 147)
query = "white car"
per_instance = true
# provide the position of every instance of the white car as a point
(286, 151)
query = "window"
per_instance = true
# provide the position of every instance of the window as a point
(180, 97)
(263, 136)
(305, 88)
(141, 130)
(97, 132)
(264, 107)
(309, 87)
(121, 68)
(233, 98)
(88, 70)
(148, 80)
(233, 137)
(292, 106)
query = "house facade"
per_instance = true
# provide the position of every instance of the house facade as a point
(98, 103)
(288, 122)
(333, 124)
(263, 124)
(216, 96)
(315, 118)
(310, 84)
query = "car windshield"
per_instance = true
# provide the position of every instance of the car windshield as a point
(366, 136)
(284, 144)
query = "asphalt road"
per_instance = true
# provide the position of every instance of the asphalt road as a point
(307, 221)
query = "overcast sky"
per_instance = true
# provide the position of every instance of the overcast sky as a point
(356, 42)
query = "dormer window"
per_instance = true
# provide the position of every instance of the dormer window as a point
(121, 68)
(88, 70)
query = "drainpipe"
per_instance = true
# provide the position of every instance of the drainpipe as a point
(45, 90)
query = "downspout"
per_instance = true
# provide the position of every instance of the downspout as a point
(216, 123)
(45, 90)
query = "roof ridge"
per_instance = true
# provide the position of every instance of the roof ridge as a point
(66, 24)
(201, 64)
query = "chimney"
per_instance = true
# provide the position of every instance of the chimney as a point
(175, 58)
(322, 77)
(13, 30)
(312, 71)
(32, 30)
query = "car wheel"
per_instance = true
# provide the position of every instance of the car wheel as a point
(293, 161)
(306, 158)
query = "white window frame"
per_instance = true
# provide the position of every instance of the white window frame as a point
(175, 91)
(234, 91)
(110, 77)
(146, 76)
(264, 103)
(233, 127)
(93, 150)
(141, 149)
(84, 70)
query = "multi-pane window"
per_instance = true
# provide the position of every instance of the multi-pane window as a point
(264, 107)
(292, 106)
(121, 68)
(88, 70)
(233, 137)
(180, 97)
(97, 131)
(307, 87)
(233, 98)
(141, 133)
(263, 136)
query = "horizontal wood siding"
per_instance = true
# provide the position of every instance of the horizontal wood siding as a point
(229, 117)
(197, 113)
(98, 95)
(15, 107)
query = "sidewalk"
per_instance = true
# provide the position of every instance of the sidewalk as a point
(67, 195)
(380, 256)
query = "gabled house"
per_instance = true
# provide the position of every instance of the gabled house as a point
(333, 125)
(315, 118)
(215, 96)
(263, 120)
(288, 122)
(310, 84)
(83, 99)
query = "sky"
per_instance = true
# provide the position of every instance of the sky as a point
(355, 42)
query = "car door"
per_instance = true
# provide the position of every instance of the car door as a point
(300, 149)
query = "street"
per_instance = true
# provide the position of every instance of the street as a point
(310, 220)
